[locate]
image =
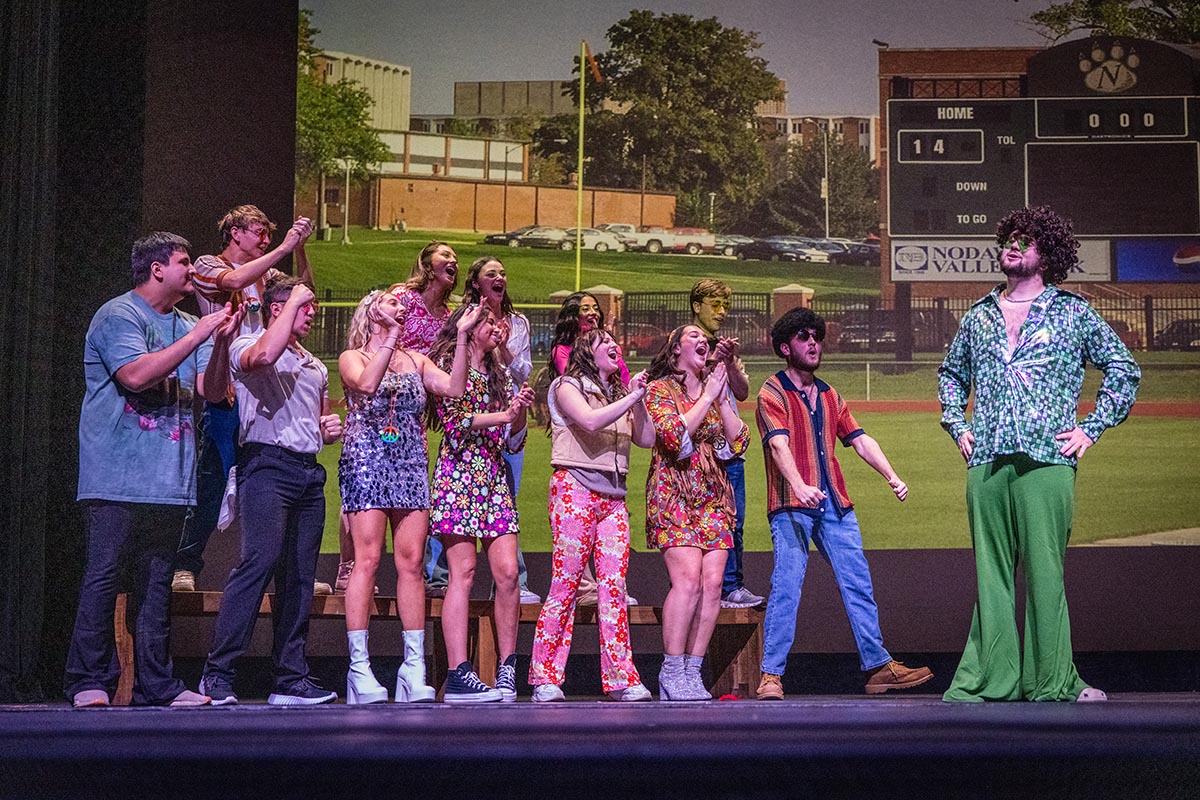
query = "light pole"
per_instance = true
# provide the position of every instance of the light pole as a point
(823, 126)
(346, 207)
(508, 150)
(712, 199)
(825, 180)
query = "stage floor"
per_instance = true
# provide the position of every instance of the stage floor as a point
(1139, 745)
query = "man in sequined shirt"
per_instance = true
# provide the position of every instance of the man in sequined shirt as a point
(1024, 347)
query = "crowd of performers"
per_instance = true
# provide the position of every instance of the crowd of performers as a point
(412, 364)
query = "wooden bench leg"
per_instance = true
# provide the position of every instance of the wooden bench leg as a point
(124, 643)
(735, 657)
(484, 653)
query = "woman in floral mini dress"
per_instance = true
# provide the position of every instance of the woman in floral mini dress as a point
(689, 503)
(472, 501)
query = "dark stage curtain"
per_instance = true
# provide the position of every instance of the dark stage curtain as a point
(28, 394)
(116, 122)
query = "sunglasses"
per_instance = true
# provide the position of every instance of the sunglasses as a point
(805, 335)
(1023, 243)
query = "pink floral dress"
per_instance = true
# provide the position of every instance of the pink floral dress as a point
(420, 326)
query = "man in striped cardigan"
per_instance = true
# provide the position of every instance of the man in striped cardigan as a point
(801, 418)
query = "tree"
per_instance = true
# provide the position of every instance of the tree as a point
(675, 107)
(332, 119)
(795, 206)
(1176, 21)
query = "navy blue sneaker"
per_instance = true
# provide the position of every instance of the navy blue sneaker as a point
(304, 692)
(464, 686)
(506, 680)
(219, 690)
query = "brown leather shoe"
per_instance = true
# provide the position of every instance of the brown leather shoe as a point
(770, 688)
(894, 675)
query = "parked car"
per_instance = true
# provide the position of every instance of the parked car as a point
(598, 240)
(508, 239)
(546, 237)
(863, 330)
(1182, 334)
(726, 244)
(655, 239)
(858, 254)
(778, 248)
(642, 339)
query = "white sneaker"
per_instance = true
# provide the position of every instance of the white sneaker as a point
(321, 587)
(741, 597)
(1091, 695)
(529, 598)
(183, 581)
(548, 693)
(630, 694)
(89, 698)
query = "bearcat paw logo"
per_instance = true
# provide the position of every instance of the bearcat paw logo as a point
(1109, 71)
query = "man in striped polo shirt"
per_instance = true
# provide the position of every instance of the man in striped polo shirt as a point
(800, 419)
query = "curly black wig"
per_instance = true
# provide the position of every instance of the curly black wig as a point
(1053, 234)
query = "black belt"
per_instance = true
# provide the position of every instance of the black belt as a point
(251, 449)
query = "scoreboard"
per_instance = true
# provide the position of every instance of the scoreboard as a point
(1117, 166)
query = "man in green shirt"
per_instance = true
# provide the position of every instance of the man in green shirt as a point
(1023, 347)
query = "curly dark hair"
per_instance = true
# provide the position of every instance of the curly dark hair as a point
(791, 323)
(1053, 235)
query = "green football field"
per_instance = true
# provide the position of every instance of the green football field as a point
(1138, 479)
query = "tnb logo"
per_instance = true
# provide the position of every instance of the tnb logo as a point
(910, 258)
(1110, 71)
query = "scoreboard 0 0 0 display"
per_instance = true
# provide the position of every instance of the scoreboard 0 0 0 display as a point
(1117, 166)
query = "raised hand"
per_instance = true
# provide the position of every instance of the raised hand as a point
(301, 295)
(468, 318)
(638, 381)
(209, 324)
(229, 329)
(714, 387)
(726, 350)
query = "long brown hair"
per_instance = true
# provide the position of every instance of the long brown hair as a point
(422, 271)
(499, 382)
(666, 363)
(472, 293)
(582, 365)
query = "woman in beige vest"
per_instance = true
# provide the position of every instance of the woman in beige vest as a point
(594, 420)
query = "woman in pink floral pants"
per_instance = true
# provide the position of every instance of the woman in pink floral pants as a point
(594, 420)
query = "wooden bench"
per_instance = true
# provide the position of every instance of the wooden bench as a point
(734, 655)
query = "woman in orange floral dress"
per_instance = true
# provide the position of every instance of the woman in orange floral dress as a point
(689, 503)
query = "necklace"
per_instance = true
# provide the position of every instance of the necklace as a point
(389, 433)
(1004, 296)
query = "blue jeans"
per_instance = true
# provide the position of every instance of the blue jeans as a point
(281, 511)
(840, 542)
(216, 453)
(736, 472)
(138, 539)
(436, 570)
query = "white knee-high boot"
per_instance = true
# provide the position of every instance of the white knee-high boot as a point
(361, 686)
(410, 678)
